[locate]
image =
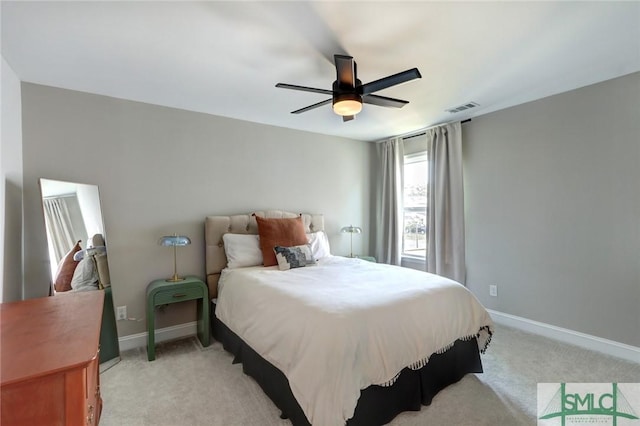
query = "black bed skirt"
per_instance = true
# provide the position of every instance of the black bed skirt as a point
(377, 405)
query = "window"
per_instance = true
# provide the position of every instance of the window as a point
(415, 196)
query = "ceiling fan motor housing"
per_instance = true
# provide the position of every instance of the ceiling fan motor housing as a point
(346, 100)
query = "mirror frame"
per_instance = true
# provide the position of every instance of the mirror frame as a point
(90, 211)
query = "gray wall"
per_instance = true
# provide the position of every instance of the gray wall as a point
(162, 170)
(551, 187)
(10, 187)
(552, 193)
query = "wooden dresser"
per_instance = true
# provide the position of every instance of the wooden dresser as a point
(49, 360)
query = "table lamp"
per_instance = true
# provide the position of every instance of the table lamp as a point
(90, 251)
(351, 230)
(174, 241)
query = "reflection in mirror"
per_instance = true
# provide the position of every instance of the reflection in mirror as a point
(78, 251)
(72, 214)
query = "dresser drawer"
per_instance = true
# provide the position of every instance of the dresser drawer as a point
(173, 295)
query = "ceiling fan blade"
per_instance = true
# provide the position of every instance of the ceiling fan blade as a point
(392, 80)
(346, 118)
(345, 70)
(383, 101)
(319, 104)
(304, 88)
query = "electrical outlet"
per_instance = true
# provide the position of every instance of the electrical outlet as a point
(122, 312)
(493, 290)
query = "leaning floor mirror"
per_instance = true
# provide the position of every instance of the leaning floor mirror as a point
(78, 251)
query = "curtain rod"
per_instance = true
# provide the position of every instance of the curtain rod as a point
(424, 133)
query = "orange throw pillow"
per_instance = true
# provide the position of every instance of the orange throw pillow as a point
(287, 232)
(66, 268)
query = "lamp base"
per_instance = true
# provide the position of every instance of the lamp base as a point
(174, 279)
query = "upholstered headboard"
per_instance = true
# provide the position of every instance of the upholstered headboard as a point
(102, 264)
(216, 226)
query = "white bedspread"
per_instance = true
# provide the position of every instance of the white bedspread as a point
(338, 327)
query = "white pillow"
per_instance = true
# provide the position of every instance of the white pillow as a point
(242, 250)
(319, 244)
(85, 276)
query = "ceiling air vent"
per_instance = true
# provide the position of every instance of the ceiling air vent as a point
(463, 107)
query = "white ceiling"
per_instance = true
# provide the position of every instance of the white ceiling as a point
(224, 58)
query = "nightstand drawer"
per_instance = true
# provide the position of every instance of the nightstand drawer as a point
(173, 295)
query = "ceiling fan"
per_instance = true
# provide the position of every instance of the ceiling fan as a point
(349, 93)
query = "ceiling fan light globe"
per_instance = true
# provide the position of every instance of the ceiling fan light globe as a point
(347, 104)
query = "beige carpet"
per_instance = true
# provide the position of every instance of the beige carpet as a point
(191, 385)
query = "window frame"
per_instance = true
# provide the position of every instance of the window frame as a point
(413, 259)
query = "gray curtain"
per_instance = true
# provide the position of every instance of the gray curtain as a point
(389, 216)
(445, 213)
(59, 226)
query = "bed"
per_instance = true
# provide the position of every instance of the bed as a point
(342, 341)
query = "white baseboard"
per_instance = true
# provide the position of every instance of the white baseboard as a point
(587, 341)
(139, 340)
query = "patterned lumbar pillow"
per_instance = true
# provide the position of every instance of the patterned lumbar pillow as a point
(293, 257)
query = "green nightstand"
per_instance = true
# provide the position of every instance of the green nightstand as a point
(109, 346)
(163, 292)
